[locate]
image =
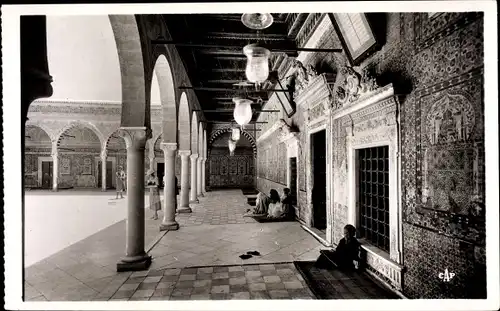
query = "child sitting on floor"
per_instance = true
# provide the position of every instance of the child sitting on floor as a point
(346, 255)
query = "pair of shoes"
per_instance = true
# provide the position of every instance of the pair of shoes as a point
(249, 254)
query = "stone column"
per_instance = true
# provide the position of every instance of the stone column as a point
(194, 178)
(135, 258)
(55, 166)
(104, 156)
(168, 222)
(184, 205)
(203, 190)
(199, 177)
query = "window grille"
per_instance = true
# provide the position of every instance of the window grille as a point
(373, 195)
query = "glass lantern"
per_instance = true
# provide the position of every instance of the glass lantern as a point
(235, 134)
(257, 21)
(257, 69)
(242, 111)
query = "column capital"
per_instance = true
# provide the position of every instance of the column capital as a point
(104, 154)
(135, 137)
(184, 153)
(168, 146)
(194, 156)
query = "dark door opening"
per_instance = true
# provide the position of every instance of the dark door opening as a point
(109, 174)
(318, 141)
(46, 175)
(293, 179)
(160, 171)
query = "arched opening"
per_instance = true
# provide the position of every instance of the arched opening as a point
(194, 133)
(200, 141)
(74, 42)
(159, 160)
(184, 131)
(79, 149)
(225, 171)
(37, 158)
(116, 158)
(165, 94)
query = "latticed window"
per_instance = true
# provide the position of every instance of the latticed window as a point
(373, 195)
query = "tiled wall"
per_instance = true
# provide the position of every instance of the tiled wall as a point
(435, 65)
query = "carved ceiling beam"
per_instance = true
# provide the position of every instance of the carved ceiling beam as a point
(219, 46)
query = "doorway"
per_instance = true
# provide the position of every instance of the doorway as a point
(47, 174)
(109, 175)
(318, 142)
(160, 172)
(293, 179)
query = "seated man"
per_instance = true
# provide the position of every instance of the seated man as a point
(263, 202)
(346, 255)
(284, 209)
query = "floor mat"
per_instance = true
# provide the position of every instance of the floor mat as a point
(335, 284)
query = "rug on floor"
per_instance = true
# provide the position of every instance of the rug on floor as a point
(335, 284)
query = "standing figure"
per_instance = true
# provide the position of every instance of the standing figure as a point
(120, 182)
(176, 192)
(154, 194)
(288, 211)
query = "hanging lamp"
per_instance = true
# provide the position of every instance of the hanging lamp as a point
(257, 69)
(257, 21)
(242, 111)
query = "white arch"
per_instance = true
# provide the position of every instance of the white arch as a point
(200, 140)
(194, 133)
(86, 124)
(166, 88)
(184, 124)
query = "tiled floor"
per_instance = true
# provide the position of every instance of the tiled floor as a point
(86, 268)
(218, 208)
(267, 281)
(211, 238)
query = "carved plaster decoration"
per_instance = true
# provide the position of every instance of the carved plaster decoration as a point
(300, 77)
(352, 86)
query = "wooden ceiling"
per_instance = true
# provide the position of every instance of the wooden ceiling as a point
(211, 47)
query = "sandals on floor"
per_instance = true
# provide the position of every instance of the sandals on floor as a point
(245, 256)
(255, 253)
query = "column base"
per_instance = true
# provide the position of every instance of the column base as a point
(134, 264)
(200, 195)
(169, 226)
(194, 201)
(182, 210)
